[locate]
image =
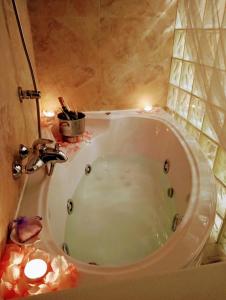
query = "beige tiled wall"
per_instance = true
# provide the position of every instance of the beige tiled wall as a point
(17, 121)
(187, 97)
(103, 54)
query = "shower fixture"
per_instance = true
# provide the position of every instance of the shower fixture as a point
(28, 94)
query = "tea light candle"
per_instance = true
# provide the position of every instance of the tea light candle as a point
(47, 118)
(48, 114)
(148, 108)
(35, 269)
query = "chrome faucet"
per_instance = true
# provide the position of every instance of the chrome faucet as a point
(40, 155)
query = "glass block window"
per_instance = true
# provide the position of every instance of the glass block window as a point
(221, 50)
(216, 229)
(187, 76)
(218, 87)
(172, 97)
(183, 101)
(190, 47)
(219, 168)
(209, 42)
(196, 112)
(175, 72)
(193, 131)
(199, 86)
(223, 25)
(179, 41)
(214, 13)
(209, 148)
(223, 237)
(181, 20)
(199, 65)
(221, 199)
(207, 128)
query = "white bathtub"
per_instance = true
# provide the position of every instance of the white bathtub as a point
(153, 135)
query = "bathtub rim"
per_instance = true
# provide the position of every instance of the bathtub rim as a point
(172, 241)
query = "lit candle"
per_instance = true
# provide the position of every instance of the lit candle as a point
(148, 108)
(47, 118)
(48, 114)
(35, 269)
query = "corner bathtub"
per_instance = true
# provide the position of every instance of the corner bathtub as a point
(153, 135)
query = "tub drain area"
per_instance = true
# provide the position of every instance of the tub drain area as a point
(122, 211)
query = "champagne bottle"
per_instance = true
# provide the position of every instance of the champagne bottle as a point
(65, 110)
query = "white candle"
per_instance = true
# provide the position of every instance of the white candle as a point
(35, 269)
(148, 108)
(48, 114)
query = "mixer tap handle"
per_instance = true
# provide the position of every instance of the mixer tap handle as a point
(41, 142)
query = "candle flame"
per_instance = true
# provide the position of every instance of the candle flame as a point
(35, 269)
(148, 108)
(48, 114)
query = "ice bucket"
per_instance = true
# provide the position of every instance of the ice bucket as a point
(71, 128)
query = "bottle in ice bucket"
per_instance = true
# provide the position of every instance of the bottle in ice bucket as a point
(71, 123)
(69, 114)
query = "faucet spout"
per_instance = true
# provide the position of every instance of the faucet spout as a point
(52, 155)
(39, 156)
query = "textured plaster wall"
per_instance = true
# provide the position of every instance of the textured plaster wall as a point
(103, 54)
(17, 121)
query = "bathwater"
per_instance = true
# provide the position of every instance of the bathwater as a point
(121, 211)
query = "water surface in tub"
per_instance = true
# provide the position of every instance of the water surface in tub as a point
(121, 211)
